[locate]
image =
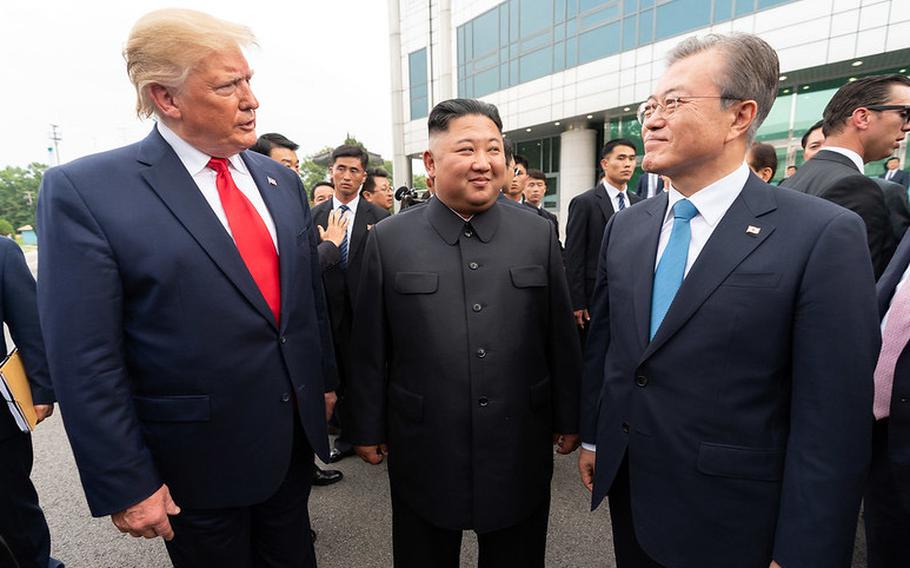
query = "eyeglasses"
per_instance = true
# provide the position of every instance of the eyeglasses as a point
(903, 109)
(647, 109)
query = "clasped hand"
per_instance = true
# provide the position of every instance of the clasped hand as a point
(149, 518)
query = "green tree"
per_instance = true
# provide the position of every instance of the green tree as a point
(19, 193)
(6, 228)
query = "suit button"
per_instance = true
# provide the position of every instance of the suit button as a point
(903, 399)
(625, 427)
(283, 340)
(473, 266)
(285, 397)
(477, 307)
(483, 401)
(641, 381)
(481, 352)
(468, 234)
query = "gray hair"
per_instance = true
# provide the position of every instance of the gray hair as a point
(752, 70)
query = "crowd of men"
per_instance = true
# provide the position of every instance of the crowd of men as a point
(716, 345)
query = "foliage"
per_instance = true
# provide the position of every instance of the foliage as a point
(6, 228)
(311, 172)
(19, 194)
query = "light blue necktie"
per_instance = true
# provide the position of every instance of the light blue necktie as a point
(672, 266)
(344, 242)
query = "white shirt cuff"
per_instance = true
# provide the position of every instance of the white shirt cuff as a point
(589, 447)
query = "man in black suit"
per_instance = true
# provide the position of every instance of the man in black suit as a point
(468, 368)
(349, 170)
(588, 215)
(866, 120)
(896, 200)
(649, 185)
(894, 173)
(22, 525)
(535, 189)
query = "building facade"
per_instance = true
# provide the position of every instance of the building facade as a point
(568, 75)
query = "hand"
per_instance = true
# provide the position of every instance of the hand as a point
(330, 399)
(372, 454)
(149, 518)
(582, 317)
(337, 228)
(586, 467)
(44, 411)
(774, 564)
(566, 443)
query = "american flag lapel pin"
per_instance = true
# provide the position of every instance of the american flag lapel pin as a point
(753, 231)
(271, 181)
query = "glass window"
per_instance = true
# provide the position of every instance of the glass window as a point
(723, 10)
(536, 15)
(679, 16)
(599, 42)
(559, 32)
(572, 52)
(486, 82)
(461, 45)
(628, 33)
(629, 7)
(777, 125)
(744, 7)
(585, 5)
(600, 16)
(531, 150)
(535, 42)
(486, 33)
(559, 56)
(504, 76)
(809, 107)
(559, 10)
(646, 27)
(762, 4)
(535, 65)
(417, 83)
(503, 25)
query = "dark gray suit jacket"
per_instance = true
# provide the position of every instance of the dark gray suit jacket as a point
(468, 361)
(834, 177)
(898, 206)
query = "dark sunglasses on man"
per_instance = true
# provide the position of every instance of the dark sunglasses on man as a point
(903, 109)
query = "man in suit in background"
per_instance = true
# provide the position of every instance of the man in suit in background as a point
(183, 312)
(886, 506)
(728, 370)
(467, 407)
(588, 215)
(894, 173)
(377, 189)
(535, 189)
(322, 191)
(812, 141)
(762, 160)
(23, 529)
(865, 121)
(348, 170)
(649, 185)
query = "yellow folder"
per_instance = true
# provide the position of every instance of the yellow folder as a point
(17, 392)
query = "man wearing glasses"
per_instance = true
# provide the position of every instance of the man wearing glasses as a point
(732, 342)
(865, 121)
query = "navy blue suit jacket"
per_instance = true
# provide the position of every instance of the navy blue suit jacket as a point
(170, 365)
(19, 310)
(747, 419)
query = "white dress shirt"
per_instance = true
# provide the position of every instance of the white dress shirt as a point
(854, 157)
(352, 205)
(196, 163)
(712, 203)
(613, 194)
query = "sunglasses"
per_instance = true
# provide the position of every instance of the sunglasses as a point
(903, 109)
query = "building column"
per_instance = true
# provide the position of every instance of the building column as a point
(577, 164)
(401, 164)
(442, 54)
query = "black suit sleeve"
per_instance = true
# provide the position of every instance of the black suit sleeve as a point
(329, 254)
(576, 251)
(323, 256)
(898, 209)
(20, 309)
(563, 346)
(863, 196)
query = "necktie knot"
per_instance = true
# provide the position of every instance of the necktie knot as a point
(344, 208)
(683, 209)
(220, 165)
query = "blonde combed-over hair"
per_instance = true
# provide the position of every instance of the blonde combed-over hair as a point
(165, 45)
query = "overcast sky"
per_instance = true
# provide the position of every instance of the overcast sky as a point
(321, 71)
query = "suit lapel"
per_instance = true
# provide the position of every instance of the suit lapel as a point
(169, 179)
(275, 198)
(604, 202)
(363, 218)
(643, 264)
(727, 247)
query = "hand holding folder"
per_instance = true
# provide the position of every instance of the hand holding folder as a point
(17, 393)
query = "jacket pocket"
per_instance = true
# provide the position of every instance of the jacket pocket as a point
(541, 393)
(416, 282)
(178, 408)
(405, 402)
(760, 464)
(532, 276)
(752, 280)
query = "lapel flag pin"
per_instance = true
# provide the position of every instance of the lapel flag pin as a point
(272, 181)
(753, 230)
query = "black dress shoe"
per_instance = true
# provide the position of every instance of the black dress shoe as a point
(338, 455)
(322, 477)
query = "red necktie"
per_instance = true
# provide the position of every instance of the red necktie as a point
(250, 235)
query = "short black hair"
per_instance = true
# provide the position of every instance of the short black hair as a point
(369, 185)
(443, 113)
(805, 139)
(538, 175)
(351, 151)
(888, 161)
(763, 156)
(868, 91)
(608, 147)
(507, 150)
(791, 166)
(521, 160)
(271, 140)
(321, 183)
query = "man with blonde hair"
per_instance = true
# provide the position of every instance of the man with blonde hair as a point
(184, 317)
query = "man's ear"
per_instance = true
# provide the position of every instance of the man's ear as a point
(165, 100)
(745, 115)
(429, 163)
(860, 118)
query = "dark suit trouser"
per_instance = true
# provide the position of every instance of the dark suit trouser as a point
(886, 516)
(418, 544)
(22, 524)
(629, 553)
(271, 534)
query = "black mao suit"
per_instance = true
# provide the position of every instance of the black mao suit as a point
(468, 362)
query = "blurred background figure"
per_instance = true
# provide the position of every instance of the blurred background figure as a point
(278, 148)
(535, 189)
(812, 141)
(322, 191)
(894, 173)
(762, 159)
(377, 189)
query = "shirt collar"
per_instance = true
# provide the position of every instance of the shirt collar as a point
(193, 159)
(713, 200)
(612, 190)
(352, 205)
(450, 225)
(854, 157)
